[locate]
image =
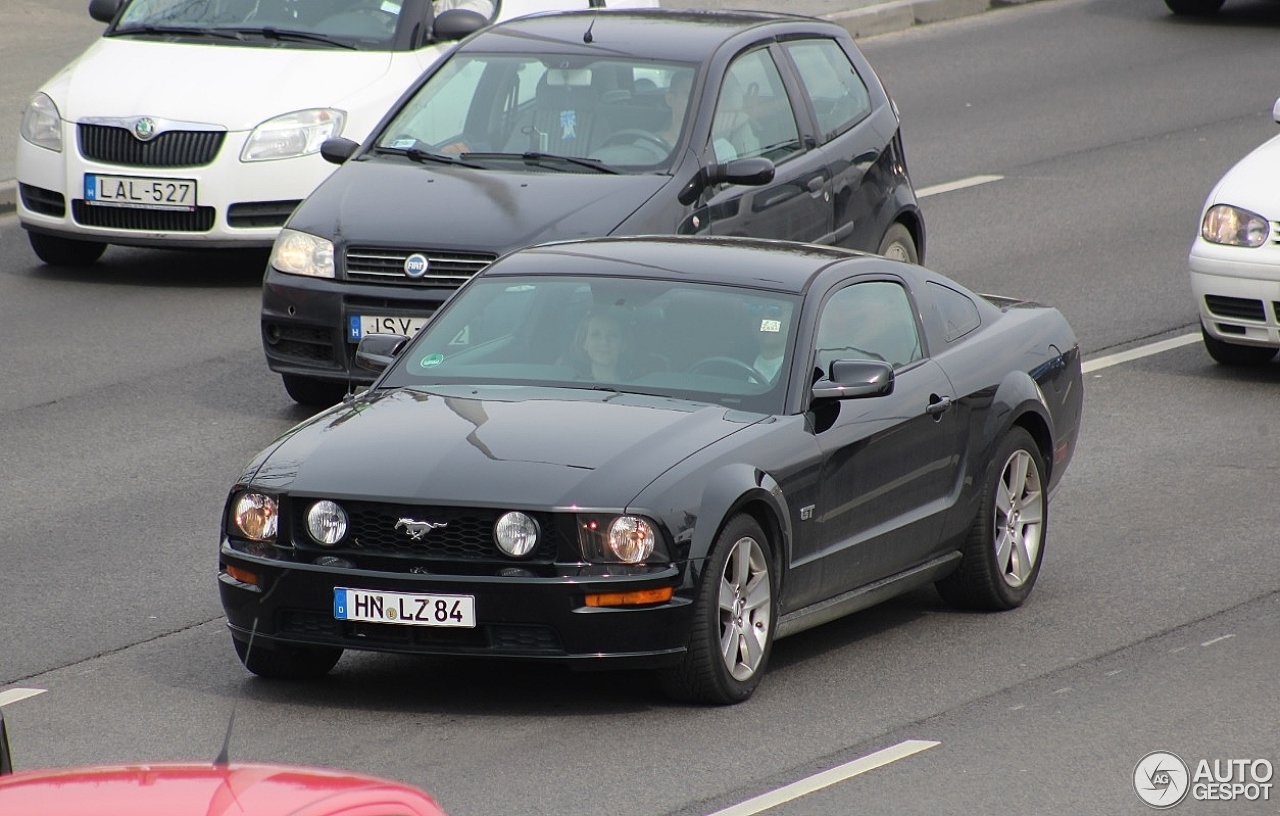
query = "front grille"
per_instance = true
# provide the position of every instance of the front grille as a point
(386, 266)
(40, 200)
(132, 218)
(260, 213)
(466, 534)
(173, 148)
(1241, 308)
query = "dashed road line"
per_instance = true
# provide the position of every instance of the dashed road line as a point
(1140, 352)
(958, 184)
(14, 695)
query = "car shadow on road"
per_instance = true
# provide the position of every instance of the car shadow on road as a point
(163, 268)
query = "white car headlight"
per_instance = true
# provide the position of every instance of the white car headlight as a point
(293, 134)
(256, 516)
(42, 124)
(1224, 224)
(299, 253)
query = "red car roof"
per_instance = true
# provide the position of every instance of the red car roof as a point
(188, 789)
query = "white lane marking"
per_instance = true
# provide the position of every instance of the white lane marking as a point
(959, 184)
(1217, 640)
(1140, 352)
(13, 695)
(819, 781)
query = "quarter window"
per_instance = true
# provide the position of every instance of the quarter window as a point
(959, 313)
(840, 98)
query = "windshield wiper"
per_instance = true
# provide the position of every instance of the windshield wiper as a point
(273, 33)
(189, 31)
(546, 159)
(419, 155)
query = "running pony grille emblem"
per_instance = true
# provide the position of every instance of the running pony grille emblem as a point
(417, 530)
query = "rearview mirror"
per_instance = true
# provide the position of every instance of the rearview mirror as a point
(337, 150)
(377, 351)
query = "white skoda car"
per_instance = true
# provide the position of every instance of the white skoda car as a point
(198, 123)
(1235, 260)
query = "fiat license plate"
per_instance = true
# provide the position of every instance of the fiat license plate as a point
(409, 609)
(138, 191)
(360, 325)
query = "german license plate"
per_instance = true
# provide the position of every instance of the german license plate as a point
(409, 609)
(138, 191)
(360, 325)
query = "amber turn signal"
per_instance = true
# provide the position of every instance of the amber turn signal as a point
(243, 575)
(637, 598)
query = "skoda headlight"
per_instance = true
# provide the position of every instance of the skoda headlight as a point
(326, 522)
(256, 516)
(299, 253)
(42, 124)
(293, 134)
(1224, 224)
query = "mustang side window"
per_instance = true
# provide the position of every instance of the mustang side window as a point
(871, 320)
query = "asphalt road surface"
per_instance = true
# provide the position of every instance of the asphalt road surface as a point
(1082, 137)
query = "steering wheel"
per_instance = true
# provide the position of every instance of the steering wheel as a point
(730, 363)
(633, 135)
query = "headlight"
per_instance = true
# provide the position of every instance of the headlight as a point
(607, 539)
(297, 253)
(42, 124)
(256, 515)
(631, 539)
(326, 522)
(1224, 224)
(293, 134)
(516, 534)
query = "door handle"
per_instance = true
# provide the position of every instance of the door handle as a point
(816, 184)
(937, 406)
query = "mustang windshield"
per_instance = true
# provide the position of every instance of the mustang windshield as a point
(618, 113)
(682, 340)
(314, 23)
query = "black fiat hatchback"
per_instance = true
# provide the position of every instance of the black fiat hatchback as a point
(577, 125)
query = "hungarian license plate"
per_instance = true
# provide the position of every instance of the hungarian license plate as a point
(360, 325)
(409, 609)
(138, 191)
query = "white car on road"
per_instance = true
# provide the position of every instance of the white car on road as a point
(198, 123)
(1235, 260)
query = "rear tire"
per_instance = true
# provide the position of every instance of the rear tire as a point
(734, 616)
(898, 245)
(57, 251)
(283, 662)
(1194, 8)
(1002, 556)
(1235, 354)
(312, 392)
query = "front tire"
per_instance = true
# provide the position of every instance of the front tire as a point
(1194, 8)
(283, 662)
(734, 617)
(898, 245)
(312, 392)
(1001, 558)
(57, 251)
(1234, 354)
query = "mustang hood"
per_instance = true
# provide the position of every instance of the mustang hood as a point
(412, 446)
(242, 85)
(384, 201)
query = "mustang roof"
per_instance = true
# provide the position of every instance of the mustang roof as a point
(769, 264)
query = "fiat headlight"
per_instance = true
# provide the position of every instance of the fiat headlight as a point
(516, 534)
(298, 253)
(326, 522)
(1224, 224)
(256, 516)
(42, 124)
(292, 135)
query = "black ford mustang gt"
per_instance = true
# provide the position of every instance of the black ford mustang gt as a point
(663, 452)
(567, 126)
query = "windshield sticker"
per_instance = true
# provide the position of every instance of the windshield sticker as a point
(773, 326)
(390, 7)
(403, 144)
(431, 361)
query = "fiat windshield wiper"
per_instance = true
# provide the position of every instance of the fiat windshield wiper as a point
(549, 160)
(273, 33)
(418, 154)
(186, 31)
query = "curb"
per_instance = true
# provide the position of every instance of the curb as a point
(882, 18)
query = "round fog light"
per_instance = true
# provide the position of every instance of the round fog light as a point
(516, 534)
(327, 522)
